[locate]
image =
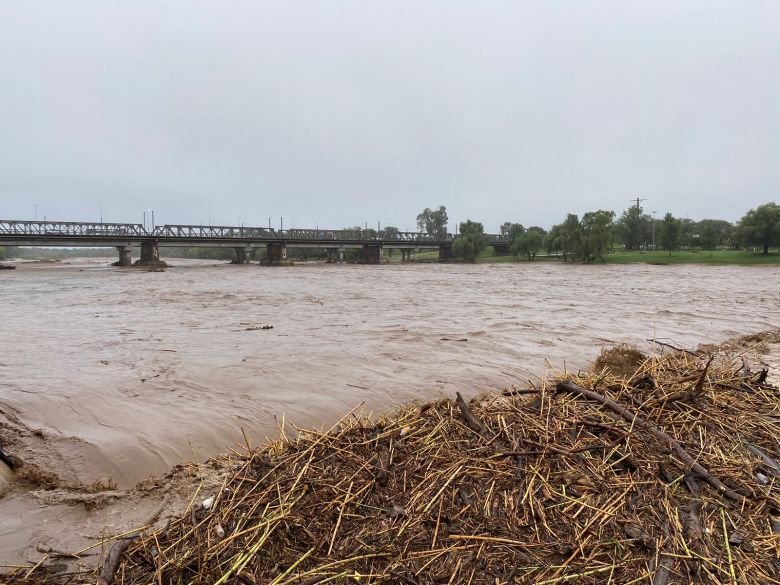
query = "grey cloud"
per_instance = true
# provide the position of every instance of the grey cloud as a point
(358, 109)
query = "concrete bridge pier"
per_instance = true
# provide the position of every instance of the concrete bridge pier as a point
(372, 254)
(341, 254)
(241, 255)
(445, 252)
(406, 255)
(333, 255)
(150, 254)
(125, 256)
(277, 254)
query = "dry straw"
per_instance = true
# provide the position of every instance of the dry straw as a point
(664, 475)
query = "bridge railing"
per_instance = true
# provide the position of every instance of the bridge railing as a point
(243, 232)
(201, 232)
(70, 228)
(205, 232)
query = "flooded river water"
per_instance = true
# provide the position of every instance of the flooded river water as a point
(120, 373)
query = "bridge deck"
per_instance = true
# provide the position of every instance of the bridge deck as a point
(72, 234)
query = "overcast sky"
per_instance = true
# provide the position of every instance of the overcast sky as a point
(371, 110)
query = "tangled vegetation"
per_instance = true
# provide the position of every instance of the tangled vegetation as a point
(664, 473)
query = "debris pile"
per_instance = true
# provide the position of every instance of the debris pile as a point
(667, 474)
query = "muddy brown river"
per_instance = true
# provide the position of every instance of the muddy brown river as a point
(120, 374)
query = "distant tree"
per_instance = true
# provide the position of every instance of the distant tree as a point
(515, 231)
(713, 233)
(570, 234)
(391, 232)
(669, 234)
(761, 226)
(529, 242)
(688, 232)
(596, 234)
(552, 243)
(709, 236)
(470, 241)
(433, 222)
(635, 228)
(504, 229)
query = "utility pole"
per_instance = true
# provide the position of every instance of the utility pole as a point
(654, 212)
(636, 222)
(36, 212)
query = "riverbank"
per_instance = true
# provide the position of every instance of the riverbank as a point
(588, 478)
(658, 257)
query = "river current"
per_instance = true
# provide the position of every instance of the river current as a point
(121, 373)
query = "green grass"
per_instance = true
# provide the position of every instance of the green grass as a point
(718, 257)
(744, 257)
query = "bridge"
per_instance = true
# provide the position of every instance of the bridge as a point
(243, 240)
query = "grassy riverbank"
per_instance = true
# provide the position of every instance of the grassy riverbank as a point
(718, 257)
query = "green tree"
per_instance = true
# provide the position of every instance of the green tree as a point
(390, 232)
(761, 226)
(635, 228)
(570, 234)
(433, 222)
(504, 228)
(709, 236)
(669, 233)
(688, 232)
(552, 243)
(470, 241)
(529, 242)
(595, 234)
(713, 233)
(515, 231)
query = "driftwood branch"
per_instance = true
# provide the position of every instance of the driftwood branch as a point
(472, 421)
(111, 562)
(632, 417)
(382, 460)
(520, 391)
(670, 346)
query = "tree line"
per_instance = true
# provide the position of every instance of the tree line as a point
(590, 237)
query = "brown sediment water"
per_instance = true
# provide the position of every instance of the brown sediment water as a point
(119, 374)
